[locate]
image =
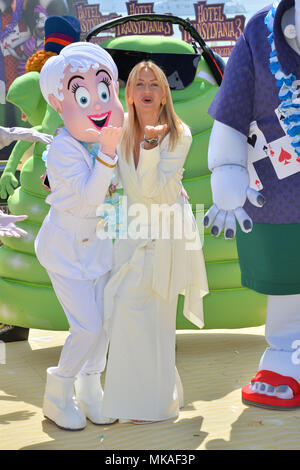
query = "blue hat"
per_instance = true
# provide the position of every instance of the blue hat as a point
(60, 31)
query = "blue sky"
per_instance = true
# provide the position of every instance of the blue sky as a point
(119, 6)
(251, 4)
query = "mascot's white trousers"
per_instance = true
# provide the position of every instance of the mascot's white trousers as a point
(85, 349)
(83, 355)
(283, 335)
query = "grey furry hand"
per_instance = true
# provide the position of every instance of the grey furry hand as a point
(226, 219)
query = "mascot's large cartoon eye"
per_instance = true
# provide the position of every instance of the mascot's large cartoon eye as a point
(82, 97)
(103, 92)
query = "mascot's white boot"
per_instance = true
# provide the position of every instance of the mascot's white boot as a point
(90, 396)
(278, 378)
(60, 405)
(277, 384)
(282, 333)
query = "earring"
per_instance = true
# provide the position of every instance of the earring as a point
(163, 101)
(130, 100)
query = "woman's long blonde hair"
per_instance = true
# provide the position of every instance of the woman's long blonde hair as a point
(167, 115)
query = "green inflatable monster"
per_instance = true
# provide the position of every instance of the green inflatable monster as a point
(26, 295)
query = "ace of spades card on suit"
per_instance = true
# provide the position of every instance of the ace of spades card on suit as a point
(257, 150)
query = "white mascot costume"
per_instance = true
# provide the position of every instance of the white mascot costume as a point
(254, 156)
(81, 84)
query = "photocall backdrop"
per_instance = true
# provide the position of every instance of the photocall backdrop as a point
(22, 32)
(24, 284)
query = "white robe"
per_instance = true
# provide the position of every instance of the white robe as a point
(140, 299)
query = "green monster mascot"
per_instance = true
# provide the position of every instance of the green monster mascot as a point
(26, 295)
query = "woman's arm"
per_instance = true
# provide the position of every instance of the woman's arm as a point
(159, 167)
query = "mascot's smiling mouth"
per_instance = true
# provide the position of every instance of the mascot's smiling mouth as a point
(100, 120)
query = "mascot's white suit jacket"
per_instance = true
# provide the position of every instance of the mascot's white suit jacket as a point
(78, 264)
(254, 156)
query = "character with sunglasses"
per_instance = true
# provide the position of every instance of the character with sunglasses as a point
(180, 69)
(81, 84)
(142, 383)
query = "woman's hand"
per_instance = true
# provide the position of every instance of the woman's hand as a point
(184, 193)
(152, 132)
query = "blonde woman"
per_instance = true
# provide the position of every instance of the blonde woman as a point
(142, 384)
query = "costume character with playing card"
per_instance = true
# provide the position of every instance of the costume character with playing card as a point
(255, 145)
(81, 84)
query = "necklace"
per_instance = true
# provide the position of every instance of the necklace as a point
(288, 93)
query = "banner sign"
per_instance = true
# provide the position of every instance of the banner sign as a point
(90, 16)
(223, 51)
(143, 27)
(213, 25)
(22, 28)
(210, 21)
(22, 32)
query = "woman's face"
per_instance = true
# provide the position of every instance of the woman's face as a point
(147, 92)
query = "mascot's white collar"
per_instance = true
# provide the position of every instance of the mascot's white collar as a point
(288, 92)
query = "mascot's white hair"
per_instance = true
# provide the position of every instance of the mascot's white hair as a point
(80, 56)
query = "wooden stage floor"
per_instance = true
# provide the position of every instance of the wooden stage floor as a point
(213, 365)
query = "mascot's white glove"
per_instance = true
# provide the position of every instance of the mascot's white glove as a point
(227, 158)
(8, 227)
(8, 135)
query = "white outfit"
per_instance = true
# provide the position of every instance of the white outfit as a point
(140, 299)
(77, 262)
